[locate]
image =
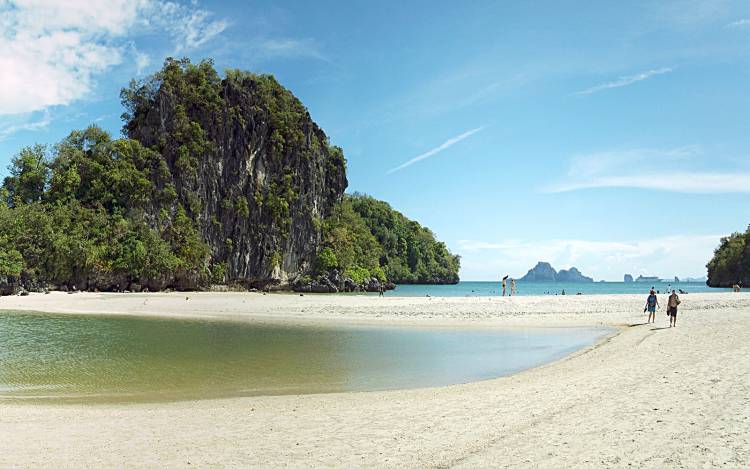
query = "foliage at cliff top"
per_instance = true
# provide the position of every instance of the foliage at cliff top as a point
(731, 262)
(366, 237)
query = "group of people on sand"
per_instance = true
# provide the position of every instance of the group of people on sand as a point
(652, 302)
(504, 284)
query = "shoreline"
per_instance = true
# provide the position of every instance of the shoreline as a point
(646, 395)
(611, 310)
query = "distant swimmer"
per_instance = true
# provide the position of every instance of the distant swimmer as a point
(504, 284)
(651, 304)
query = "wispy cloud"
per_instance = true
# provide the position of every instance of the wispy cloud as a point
(685, 182)
(644, 169)
(142, 60)
(739, 23)
(445, 145)
(288, 47)
(666, 256)
(624, 81)
(8, 130)
(190, 27)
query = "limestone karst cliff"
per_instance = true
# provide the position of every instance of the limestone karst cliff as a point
(544, 272)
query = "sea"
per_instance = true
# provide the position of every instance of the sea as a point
(554, 288)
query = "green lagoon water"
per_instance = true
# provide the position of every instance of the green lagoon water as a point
(72, 358)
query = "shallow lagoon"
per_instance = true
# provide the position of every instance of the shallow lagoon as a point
(74, 358)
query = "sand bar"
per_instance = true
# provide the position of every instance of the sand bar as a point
(647, 397)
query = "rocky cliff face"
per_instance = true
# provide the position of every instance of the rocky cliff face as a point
(248, 165)
(544, 272)
(573, 275)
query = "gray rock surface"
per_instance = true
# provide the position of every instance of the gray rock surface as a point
(544, 272)
(243, 165)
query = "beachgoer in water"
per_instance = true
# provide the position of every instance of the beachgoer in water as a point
(672, 304)
(504, 284)
(563, 292)
(651, 304)
(512, 287)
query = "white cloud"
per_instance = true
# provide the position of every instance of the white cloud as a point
(739, 23)
(609, 260)
(624, 81)
(447, 144)
(644, 169)
(51, 52)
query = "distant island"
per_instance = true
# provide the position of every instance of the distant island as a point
(695, 279)
(544, 272)
(628, 278)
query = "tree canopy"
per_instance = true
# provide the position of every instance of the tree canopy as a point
(75, 216)
(731, 262)
(367, 236)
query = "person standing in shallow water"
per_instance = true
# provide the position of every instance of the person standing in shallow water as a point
(672, 304)
(651, 304)
(512, 287)
(503, 283)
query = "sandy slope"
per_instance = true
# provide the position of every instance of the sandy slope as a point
(647, 397)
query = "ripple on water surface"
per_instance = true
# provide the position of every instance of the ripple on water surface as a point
(124, 358)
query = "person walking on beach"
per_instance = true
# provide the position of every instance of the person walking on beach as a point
(504, 284)
(651, 304)
(672, 304)
(512, 287)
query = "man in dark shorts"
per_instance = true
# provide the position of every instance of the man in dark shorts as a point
(672, 304)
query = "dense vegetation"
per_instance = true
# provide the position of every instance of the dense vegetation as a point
(731, 262)
(365, 237)
(73, 215)
(216, 180)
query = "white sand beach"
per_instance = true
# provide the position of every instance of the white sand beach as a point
(648, 396)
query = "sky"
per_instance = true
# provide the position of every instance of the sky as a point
(610, 136)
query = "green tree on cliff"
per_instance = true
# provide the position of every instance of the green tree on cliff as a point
(731, 261)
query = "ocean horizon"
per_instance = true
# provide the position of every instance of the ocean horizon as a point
(493, 288)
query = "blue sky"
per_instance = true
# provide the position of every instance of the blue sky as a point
(612, 136)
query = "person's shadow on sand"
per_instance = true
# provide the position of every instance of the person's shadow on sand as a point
(658, 328)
